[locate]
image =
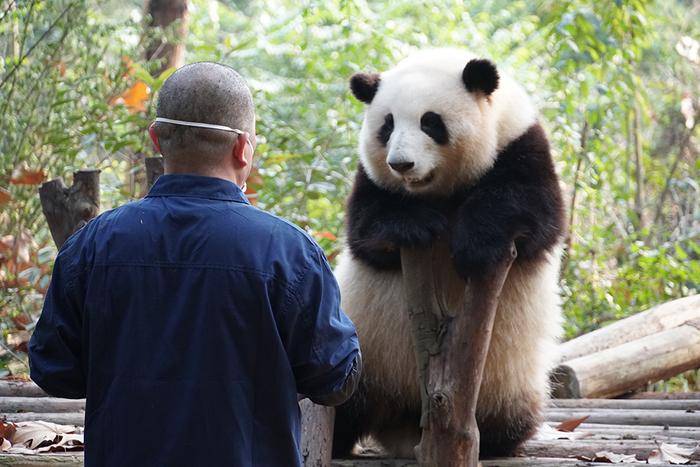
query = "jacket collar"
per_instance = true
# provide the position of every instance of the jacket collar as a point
(197, 186)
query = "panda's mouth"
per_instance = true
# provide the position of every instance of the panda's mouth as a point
(415, 182)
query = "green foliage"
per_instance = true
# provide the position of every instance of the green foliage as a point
(610, 78)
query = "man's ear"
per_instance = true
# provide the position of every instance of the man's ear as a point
(154, 137)
(239, 150)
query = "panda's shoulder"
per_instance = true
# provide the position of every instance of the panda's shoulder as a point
(528, 152)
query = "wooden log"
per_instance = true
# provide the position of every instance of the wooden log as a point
(628, 366)
(20, 389)
(154, 169)
(589, 448)
(69, 459)
(666, 396)
(316, 433)
(512, 462)
(63, 418)
(659, 318)
(672, 418)
(40, 404)
(638, 432)
(456, 362)
(67, 209)
(625, 404)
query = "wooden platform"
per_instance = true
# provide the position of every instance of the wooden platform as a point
(633, 426)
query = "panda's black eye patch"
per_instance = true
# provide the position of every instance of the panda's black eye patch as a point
(433, 126)
(386, 129)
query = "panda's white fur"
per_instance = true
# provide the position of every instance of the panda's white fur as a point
(528, 321)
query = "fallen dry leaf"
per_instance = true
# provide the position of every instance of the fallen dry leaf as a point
(33, 435)
(671, 453)
(607, 457)
(548, 433)
(7, 430)
(571, 425)
(23, 175)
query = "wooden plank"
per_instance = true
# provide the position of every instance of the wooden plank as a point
(76, 460)
(589, 448)
(617, 370)
(20, 389)
(511, 462)
(651, 432)
(65, 418)
(626, 404)
(41, 460)
(672, 418)
(659, 318)
(662, 395)
(40, 404)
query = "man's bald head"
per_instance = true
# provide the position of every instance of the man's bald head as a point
(207, 93)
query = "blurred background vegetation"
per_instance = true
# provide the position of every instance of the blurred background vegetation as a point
(618, 84)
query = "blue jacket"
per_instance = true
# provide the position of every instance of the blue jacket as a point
(190, 320)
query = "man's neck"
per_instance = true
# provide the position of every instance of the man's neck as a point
(215, 172)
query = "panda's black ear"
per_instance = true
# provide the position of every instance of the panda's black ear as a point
(480, 75)
(364, 86)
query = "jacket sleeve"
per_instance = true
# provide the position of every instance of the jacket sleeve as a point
(322, 342)
(55, 349)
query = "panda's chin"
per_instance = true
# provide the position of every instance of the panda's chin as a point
(413, 184)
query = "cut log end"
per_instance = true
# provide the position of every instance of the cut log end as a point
(565, 385)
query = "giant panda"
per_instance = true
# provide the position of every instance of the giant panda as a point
(450, 151)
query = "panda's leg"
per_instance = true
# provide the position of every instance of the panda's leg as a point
(504, 431)
(352, 422)
(523, 350)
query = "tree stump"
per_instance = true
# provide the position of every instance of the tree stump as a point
(450, 351)
(69, 208)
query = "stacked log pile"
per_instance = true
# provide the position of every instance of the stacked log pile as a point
(620, 426)
(650, 346)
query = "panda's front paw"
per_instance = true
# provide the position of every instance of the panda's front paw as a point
(416, 229)
(475, 253)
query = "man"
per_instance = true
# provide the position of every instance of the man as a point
(190, 320)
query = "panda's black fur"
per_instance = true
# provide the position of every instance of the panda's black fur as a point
(518, 199)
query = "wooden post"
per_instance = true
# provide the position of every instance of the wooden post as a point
(154, 169)
(455, 347)
(69, 208)
(316, 433)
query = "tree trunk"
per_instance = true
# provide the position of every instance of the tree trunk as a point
(450, 351)
(316, 433)
(164, 13)
(67, 209)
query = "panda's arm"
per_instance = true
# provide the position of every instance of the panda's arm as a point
(380, 222)
(518, 200)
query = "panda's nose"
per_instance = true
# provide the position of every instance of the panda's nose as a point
(401, 167)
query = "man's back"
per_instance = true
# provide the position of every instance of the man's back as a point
(196, 320)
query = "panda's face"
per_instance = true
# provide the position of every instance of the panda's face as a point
(429, 126)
